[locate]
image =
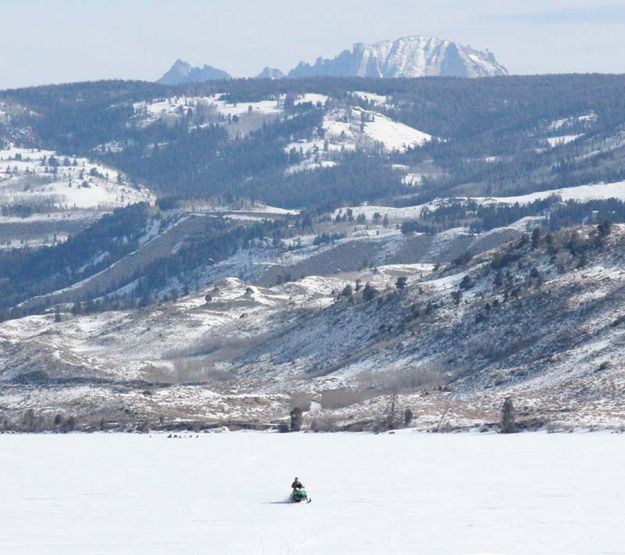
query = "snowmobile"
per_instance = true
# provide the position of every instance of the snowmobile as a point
(299, 495)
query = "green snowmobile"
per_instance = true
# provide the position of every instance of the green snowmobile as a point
(299, 495)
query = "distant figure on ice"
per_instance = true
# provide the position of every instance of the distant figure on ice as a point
(298, 493)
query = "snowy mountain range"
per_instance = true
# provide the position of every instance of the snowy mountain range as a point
(407, 57)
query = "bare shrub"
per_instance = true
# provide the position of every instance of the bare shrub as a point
(343, 397)
(64, 425)
(325, 423)
(189, 370)
(221, 348)
(391, 413)
(301, 400)
(296, 419)
(31, 422)
(403, 381)
(408, 416)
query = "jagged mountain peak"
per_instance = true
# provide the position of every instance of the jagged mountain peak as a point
(270, 73)
(414, 56)
(183, 72)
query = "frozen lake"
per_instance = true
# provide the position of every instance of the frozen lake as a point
(224, 493)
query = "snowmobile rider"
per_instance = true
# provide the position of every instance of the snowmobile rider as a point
(296, 484)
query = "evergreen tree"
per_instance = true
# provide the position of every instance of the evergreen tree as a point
(296, 419)
(369, 292)
(508, 423)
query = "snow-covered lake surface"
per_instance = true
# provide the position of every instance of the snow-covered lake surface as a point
(224, 493)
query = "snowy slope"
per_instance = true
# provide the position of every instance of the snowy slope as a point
(376, 99)
(179, 106)
(203, 110)
(239, 354)
(354, 128)
(28, 175)
(355, 125)
(214, 108)
(579, 193)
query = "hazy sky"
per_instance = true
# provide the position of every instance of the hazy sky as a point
(53, 41)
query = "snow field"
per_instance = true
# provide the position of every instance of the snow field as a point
(225, 493)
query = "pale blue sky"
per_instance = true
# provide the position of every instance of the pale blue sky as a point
(52, 41)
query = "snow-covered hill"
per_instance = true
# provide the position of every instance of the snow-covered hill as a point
(44, 194)
(537, 320)
(353, 128)
(203, 109)
(406, 57)
(344, 129)
(33, 176)
(355, 125)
